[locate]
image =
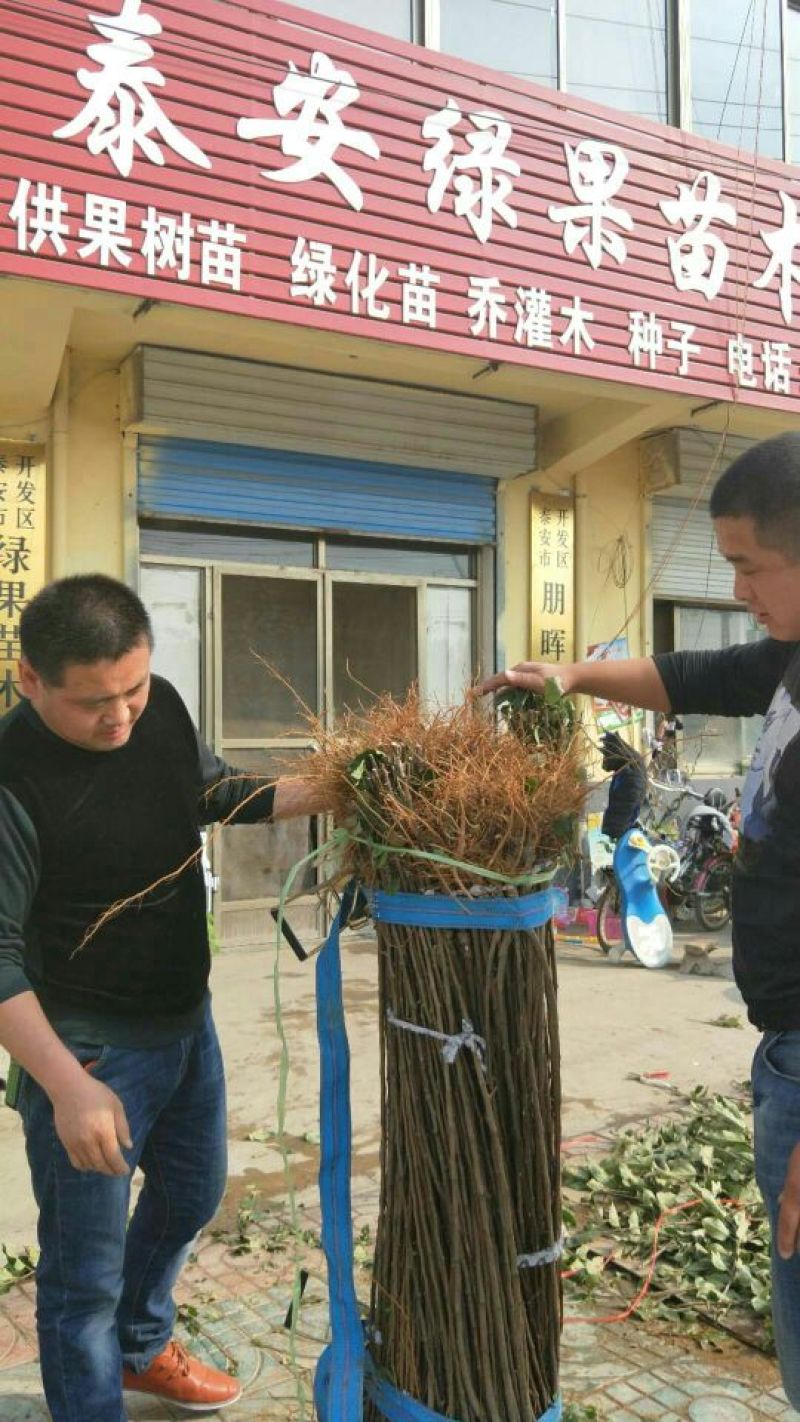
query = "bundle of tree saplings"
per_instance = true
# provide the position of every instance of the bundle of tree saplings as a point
(466, 1302)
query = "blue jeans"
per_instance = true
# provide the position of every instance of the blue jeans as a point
(104, 1287)
(776, 1108)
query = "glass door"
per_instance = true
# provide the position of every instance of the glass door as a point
(251, 647)
(267, 674)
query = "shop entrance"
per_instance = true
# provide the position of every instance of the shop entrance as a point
(253, 649)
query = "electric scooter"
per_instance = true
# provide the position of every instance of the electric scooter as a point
(638, 865)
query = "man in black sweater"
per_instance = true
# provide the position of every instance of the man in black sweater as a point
(755, 506)
(104, 785)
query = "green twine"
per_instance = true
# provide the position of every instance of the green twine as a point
(385, 851)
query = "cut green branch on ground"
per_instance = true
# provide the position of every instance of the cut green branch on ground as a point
(258, 1228)
(14, 1268)
(713, 1258)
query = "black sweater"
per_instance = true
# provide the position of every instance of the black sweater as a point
(80, 830)
(762, 677)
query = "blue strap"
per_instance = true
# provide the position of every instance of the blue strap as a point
(397, 1406)
(442, 911)
(345, 1372)
(339, 1380)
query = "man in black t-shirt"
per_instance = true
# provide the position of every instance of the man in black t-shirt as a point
(755, 506)
(104, 785)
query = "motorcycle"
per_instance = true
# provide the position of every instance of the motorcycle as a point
(702, 887)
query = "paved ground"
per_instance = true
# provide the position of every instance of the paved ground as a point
(618, 1024)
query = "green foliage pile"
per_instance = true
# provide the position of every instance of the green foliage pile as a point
(713, 1257)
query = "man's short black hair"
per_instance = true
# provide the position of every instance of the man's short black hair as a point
(84, 619)
(764, 484)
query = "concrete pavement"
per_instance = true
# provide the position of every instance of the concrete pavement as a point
(617, 1022)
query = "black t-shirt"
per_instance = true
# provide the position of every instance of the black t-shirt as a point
(81, 830)
(758, 678)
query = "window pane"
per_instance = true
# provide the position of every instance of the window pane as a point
(390, 17)
(737, 90)
(374, 643)
(274, 620)
(516, 36)
(793, 78)
(616, 54)
(409, 562)
(257, 858)
(449, 654)
(716, 743)
(172, 597)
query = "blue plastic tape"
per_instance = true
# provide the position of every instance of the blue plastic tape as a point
(397, 1406)
(339, 1385)
(442, 911)
(345, 1373)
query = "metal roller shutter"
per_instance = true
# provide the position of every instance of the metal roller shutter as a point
(188, 395)
(239, 484)
(685, 562)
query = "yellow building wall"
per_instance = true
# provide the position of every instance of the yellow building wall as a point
(514, 580)
(610, 554)
(86, 459)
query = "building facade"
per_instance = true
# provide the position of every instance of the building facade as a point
(380, 355)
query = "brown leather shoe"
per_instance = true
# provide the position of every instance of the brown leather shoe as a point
(175, 1376)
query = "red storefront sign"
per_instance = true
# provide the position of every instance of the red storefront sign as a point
(259, 159)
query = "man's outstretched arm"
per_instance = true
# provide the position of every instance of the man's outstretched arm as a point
(636, 682)
(244, 797)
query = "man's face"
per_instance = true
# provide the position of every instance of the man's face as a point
(97, 703)
(767, 580)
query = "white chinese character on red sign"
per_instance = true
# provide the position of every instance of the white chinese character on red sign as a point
(419, 295)
(220, 258)
(699, 258)
(104, 228)
(313, 272)
(366, 287)
(40, 218)
(576, 331)
(597, 171)
(777, 357)
(741, 361)
(167, 242)
(534, 312)
(781, 243)
(119, 88)
(646, 337)
(314, 136)
(683, 344)
(488, 307)
(480, 198)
